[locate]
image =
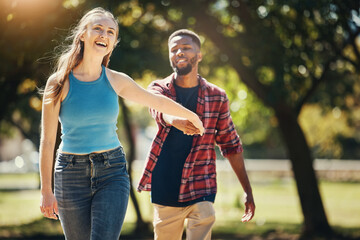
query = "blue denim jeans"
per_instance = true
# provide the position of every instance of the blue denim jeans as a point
(92, 192)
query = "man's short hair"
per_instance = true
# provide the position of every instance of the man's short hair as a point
(186, 32)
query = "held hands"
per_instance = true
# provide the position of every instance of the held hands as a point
(199, 125)
(48, 206)
(184, 125)
(249, 208)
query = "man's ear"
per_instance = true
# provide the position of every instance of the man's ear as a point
(199, 56)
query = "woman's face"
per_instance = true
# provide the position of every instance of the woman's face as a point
(100, 35)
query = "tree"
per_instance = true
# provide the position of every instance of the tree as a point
(27, 33)
(285, 52)
(288, 53)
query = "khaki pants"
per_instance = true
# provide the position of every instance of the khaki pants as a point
(169, 221)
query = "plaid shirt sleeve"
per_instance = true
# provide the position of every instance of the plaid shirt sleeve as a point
(158, 116)
(226, 136)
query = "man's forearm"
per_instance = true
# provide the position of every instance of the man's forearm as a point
(237, 163)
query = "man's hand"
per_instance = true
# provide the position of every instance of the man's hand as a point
(182, 124)
(249, 208)
(237, 163)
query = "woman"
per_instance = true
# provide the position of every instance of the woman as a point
(91, 181)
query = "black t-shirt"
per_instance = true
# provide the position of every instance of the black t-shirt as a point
(166, 176)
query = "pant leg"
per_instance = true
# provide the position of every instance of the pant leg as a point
(168, 222)
(200, 221)
(111, 188)
(73, 194)
(76, 223)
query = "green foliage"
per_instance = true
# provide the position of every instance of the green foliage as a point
(289, 53)
(27, 37)
(296, 53)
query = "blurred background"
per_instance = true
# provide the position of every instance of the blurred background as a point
(291, 72)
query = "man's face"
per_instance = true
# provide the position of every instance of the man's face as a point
(184, 54)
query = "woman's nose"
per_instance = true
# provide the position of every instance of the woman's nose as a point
(103, 34)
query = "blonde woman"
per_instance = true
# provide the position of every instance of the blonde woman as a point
(91, 180)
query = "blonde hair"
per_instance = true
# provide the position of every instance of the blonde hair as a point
(73, 53)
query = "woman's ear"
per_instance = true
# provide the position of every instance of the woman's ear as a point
(82, 38)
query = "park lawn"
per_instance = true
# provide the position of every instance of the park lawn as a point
(19, 207)
(277, 207)
(341, 202)
(19, 181)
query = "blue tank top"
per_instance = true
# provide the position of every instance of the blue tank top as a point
(88, 116)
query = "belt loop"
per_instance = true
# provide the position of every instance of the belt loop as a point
(106, 161)
(72, 160)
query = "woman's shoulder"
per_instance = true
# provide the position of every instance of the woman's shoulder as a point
(113, 75)
(118, 80)
(52, 80)
(54, 83)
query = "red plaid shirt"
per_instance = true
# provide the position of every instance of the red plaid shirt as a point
(199, 172)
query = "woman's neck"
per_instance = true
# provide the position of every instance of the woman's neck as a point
(89, 69)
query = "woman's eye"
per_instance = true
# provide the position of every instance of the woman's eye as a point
(110, 32)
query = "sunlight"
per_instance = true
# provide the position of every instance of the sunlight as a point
(72, 3)
(27, 8)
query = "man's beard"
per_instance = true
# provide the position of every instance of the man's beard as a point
(187, 69)
(183, 71)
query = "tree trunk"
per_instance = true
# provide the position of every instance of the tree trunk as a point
(141, 226)
(315, 221)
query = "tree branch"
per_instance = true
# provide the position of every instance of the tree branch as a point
(316, 83)
(20, 128)
(207, 24)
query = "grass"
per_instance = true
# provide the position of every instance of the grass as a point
(277, 207)
(19, 207)
(342, 203)
(19, 181)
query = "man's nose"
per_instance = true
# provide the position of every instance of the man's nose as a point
(179, 52)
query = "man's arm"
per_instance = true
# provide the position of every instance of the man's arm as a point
(237, 163)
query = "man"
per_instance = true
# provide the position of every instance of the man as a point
(180, 170)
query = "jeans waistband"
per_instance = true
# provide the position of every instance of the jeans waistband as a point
(117, 152)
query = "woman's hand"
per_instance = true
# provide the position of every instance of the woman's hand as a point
(48, 206)
(198, 124)
(182, 124)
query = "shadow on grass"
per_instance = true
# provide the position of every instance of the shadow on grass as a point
(46, 229)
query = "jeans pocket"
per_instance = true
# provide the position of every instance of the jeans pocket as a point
(118, 164)
(63, 162)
